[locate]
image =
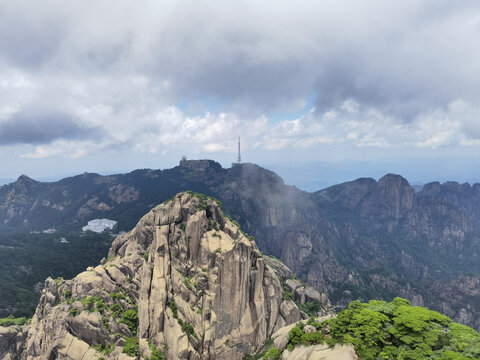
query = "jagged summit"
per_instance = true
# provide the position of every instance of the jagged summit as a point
(185, 282)
(24, 180)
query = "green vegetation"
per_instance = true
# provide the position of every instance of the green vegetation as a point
(213, 224)
(27, 259)
(117, 295)
(122, 294)
(105, 350)
(116, 309)
(173, 307)
(157, 354)
(130, 318)
(287, 295)
(266, 348)
(67, 294)
(187, 283)
(393, 330)
(74, 312)
(203, 200)
(131, 346)
(93, 303)
(11, 320)
(272, 354)
(187, 328)
(106, 323)
(311, 308)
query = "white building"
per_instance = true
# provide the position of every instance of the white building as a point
(100, 225)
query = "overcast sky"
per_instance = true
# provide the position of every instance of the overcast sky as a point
(349, 88)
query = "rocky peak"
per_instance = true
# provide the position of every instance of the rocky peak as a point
(24, 182)
(349, 194)
(185, 281)
(25, 178)
(431, 188)
(247, 170)
(200, 165)
(397, 192)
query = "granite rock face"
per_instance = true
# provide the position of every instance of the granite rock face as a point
(311, 352)
(185, 280)
(12, 339)
(362, 239)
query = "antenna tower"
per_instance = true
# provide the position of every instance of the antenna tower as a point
(239, 158)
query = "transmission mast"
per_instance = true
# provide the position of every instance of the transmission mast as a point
(239, 158)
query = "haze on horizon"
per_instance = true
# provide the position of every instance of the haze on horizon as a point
(321, 92)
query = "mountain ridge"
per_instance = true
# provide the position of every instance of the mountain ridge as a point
(185, 283)
(357, 240)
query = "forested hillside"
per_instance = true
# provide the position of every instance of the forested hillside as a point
(359, 240)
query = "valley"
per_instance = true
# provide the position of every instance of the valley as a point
(363, 239)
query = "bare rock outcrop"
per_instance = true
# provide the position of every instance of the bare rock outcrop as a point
(12, 339)
(185, 282)
(321, 352)
(311, 352)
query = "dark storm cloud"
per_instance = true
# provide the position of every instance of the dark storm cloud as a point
(42, 128)
(28, 38)
(402, 58)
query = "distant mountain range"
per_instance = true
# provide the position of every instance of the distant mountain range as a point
(6, 181)
(358, 240)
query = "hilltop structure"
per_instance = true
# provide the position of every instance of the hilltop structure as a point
(100, 225)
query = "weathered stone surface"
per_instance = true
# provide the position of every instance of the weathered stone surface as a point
(305, 294)
(326, 237)
(308, 329)
(292, 284)
(199, 286)
(290, 312)
(280, 337)
(280, 268)
(320, 352)
(11, 340)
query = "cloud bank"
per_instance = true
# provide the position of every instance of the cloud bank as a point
(83, 77)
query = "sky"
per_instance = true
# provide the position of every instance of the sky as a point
(320, 91)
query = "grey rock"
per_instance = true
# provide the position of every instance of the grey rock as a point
(184, 263)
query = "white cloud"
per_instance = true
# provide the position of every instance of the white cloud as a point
(168, 77)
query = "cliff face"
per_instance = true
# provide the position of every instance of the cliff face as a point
(185, 281)
(359, 240)
(417, 245)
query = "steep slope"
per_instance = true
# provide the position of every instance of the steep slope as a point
(407, 241)
(379, 330)
(184, 282)
(359, 240)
